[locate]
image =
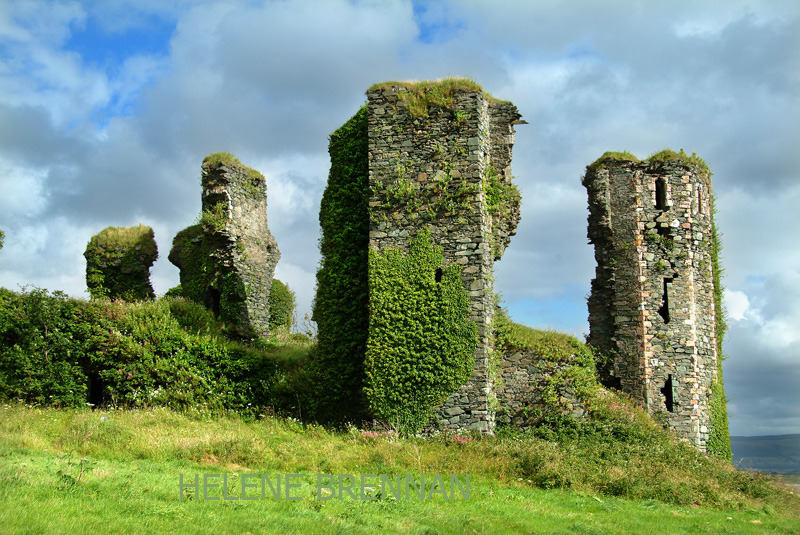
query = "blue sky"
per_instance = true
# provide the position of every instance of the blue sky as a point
(108, 108)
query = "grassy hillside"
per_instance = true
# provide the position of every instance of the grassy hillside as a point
(79, 471)
(173, 396)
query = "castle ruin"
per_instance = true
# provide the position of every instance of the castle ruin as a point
(227, 261)
(652, 309)
(118, 262)
(447, 167)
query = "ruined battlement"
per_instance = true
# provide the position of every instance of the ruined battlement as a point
(651, 308)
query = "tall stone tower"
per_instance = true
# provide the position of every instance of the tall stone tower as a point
(227, 261)
(651, 309)
(440, 158)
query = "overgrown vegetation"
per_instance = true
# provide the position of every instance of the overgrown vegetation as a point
(2, 237)
(421, 342)
(67, 352)
(66, 471)
(281, 306)
(216, 158)
(118, 261)
(719, 438)
(203, 281)
(666, 155)
(613, 156)
(342, 299)
(422, 94)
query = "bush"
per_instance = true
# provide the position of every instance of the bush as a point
(281, 306)
(66, 352)
(42, 350)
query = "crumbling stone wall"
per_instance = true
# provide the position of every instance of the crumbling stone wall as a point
(227, 261)
(447, 169)
(524, 377)
(651, 309)
(118, 261)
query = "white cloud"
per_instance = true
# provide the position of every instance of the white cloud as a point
(736, 303)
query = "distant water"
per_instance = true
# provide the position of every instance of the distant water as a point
(768, 453)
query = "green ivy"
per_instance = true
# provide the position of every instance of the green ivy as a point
(118, 263)
(421, 343)
(193, 252)
(341, 303)
(719, 438)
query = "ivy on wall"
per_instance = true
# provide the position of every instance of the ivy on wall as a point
(341, 303)
(719, 437)
(421, 343)
(118, 263)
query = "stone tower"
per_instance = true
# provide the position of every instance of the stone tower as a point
(651, 309)
(441, 159)
(227, 261)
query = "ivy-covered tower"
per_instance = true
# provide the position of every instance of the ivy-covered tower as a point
(652, 308)
(118, 261)
(440, 159)
(227, 260)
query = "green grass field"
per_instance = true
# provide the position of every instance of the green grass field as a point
(83, 471)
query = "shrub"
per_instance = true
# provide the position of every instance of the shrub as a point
(281, 306)
(421, 343)
(41, 348)
(66, 352)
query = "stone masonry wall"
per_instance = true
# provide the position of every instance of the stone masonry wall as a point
(433, 171)
(651, 307)
(524, 375)
(227, 263)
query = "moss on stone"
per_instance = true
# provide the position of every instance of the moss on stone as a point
(419, 95)
(669, 155)
(118, 261)
(550, 345)
(221, 158)
(613, 156)
(216, 158)
(666, 155)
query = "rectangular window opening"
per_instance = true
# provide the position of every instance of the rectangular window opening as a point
(663, 311)
(669, 399)
(661, 194)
